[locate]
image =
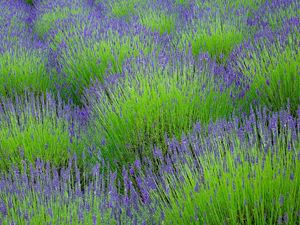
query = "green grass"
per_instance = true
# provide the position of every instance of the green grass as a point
(273, 71)
(141, 110)
(24, 70)
(244, 193)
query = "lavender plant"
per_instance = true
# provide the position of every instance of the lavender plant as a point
(13, 22)
(278, 18)
(140, 110)
(47, 195)
(48, 13)
(122, 8)
(145, 73)
(44, 23)
(23, 69)
(94, 60)
(272, 71)
(228, 6)
(275, 14)
(34, 128)
(240, 171)
(217, 38)
(158, 21)
(235, 178)
(245, 194)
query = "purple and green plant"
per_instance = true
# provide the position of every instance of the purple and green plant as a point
(158, 21)
(51, 13)
(49, 195)
(36, 127)
(271, 68)
(46, 21)
(236, 184)
(215, 37)
(14, 27)
(142, 108)
(225, 7)
(274, 14)
(84, 60)
(123, 8)
(239, 171)
(147, 73)
(277, 16)
(24, 69)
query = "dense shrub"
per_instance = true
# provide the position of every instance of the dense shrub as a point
(23, 69)
(158, 21)
(272, 71)
(95, 59)
(51, 13)
(164, 112)
(218, 39)
(139, 111)
(240, 171)
(34, 128)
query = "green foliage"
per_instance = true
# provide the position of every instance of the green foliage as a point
(182, 2)
(231, 189)
(94, 60)
(137, 113)
(273, 71)
(226, 6)
(31, 133)
(61, 203)
(123, 8)
(29, 1)
(58, 210)
(23, 70)
(69, 35)
(218, 39)
(277, 17)
(158, 21)
(13, 25)
(46, 21)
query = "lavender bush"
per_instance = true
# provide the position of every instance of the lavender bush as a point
(237, 171)
(139, 111)
(271, 69)
(36, 127)
(236, 178)
(149, 112)
(95, 59)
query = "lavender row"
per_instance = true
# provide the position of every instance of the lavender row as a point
(234, 171)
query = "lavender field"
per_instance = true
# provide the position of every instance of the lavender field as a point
(149, 112)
